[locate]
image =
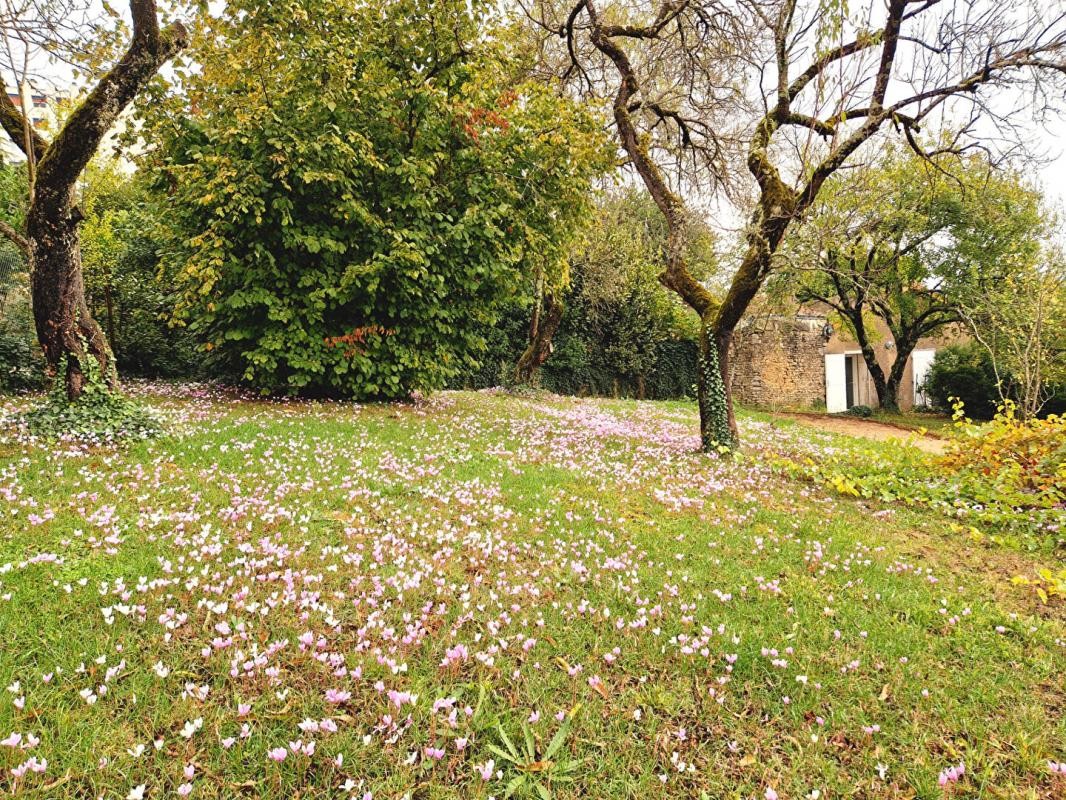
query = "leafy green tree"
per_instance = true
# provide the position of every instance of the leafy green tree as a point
(615, 304)
(621, 311)
(359, 187)
(902, 240)
(622, 333)
(124, 287)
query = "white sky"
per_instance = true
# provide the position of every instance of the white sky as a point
(1052, 175)
(1048, 141)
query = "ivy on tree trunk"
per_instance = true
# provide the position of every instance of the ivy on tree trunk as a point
(717, 423)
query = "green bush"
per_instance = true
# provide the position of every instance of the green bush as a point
(963, 371)
(360, 242)
(622, 334)
(21, 365)
(21, 362)
(1056, 400)
(127, 294)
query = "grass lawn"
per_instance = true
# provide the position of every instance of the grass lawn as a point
(308, 600)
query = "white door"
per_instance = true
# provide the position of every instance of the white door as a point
(836, 384)
(921, 361)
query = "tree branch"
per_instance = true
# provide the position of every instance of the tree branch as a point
(75, 145)
(16, 238)
(16, 126)
(676, 275)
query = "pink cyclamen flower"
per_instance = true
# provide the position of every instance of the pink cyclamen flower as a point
(770, 793)
(952, 774)
(486, 769)
(337, 696)
(277, 754)
(1057, 767)
(185, 789)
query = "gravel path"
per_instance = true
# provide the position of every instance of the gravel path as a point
(868, 429)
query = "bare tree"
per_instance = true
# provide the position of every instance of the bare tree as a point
(824, 82)
(67, 332)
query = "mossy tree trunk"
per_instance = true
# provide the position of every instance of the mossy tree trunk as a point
(547, 317)
(66, 330)
(68, 334)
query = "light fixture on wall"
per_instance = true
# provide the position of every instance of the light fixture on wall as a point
(827, 331)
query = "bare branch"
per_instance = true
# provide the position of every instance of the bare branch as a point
(15, 237)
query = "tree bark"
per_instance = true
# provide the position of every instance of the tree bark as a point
(544, 326)
(887, 395)
(718, 425)
(67, 332)
(904, 348)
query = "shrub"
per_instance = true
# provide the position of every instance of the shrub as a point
(860, 411)
(126, 292)
(21, 362)
(359, 242)
(1056, 400)
(963, 371)
(1006, 476)
(21, 366)
(1024, 459)
(622, 334)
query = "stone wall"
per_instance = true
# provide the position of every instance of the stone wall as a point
(779, 362)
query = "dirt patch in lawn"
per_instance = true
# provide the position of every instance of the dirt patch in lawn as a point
(868, 429)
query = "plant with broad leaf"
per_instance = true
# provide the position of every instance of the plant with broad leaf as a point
(536, 770)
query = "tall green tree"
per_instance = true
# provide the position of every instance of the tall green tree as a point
(359, 186)
(903, 240)
(611, 292)
(633, 325)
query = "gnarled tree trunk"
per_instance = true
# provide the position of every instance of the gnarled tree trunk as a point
(542, 329)
(67, 332)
